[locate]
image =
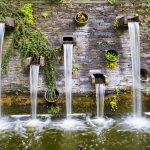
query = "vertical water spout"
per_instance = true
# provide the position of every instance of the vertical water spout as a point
(134, 34)
(68, 76)
(2, 31)
(100, 93)
(34, 74)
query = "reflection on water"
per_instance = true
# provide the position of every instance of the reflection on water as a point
(53, 134)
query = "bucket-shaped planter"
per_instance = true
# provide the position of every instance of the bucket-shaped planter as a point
(145, 75)
(51, 97)
(112, 55)
(81, 19)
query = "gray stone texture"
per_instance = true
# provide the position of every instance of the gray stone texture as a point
(87, 52)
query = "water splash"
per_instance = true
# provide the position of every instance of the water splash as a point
(134, 34)
(68, 76)
(34, 73)
(99, 124)
(70, 124)
(5, 124)
(2, 30)
(100, 92)
(135, 124)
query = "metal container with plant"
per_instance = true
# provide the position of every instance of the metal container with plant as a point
(51, 96)
(81, 18)
(112, 56)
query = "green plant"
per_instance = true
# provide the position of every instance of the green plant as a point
(113, 103)
(146, 90)
(45, 14)
(116, 24)
(142, 9)
(54, 109)
(81, 17)
(111, 64)
(111, 55)
(30, 41)
(6, 58)
(126, 78)
(8, 8)
(27, 11)
(75, 68)
(112, 1)
(116, 90)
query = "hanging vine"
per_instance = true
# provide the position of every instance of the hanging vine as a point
(30, 41)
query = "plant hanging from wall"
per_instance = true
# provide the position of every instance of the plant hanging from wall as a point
(30, 41)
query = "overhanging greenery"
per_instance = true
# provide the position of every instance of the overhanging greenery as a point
(30, 41)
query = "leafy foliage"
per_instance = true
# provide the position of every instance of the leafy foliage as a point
(116, 89)
(112, 56)
(75, 68)
(113, 103)
(54, 109)
(116, 24)
(28, 13)
(111, 64)
(142, 9)
(6, 59)
(30, 41)
(81, 17)
(111, 1)
(8, 8)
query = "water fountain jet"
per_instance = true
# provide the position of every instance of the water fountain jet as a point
(34, 73)
(134, 34)
(68, 47)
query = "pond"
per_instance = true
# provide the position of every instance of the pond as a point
(82, 132)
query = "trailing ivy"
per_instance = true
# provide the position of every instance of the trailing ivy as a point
(6, 60)
(30, 41)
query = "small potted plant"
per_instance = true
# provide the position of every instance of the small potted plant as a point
(112, 55)
(51, 96)
(75, 68)
(81, 18)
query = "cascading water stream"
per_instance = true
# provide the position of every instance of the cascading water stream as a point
(100, 92)
(2, 30)
(68, 76)
(134, 34)
(34, 74)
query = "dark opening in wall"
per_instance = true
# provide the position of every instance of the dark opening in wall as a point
(98, 78)
(68, 40)
(145, 75)
(133, 19)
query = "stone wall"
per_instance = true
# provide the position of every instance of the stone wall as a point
(92, 41)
